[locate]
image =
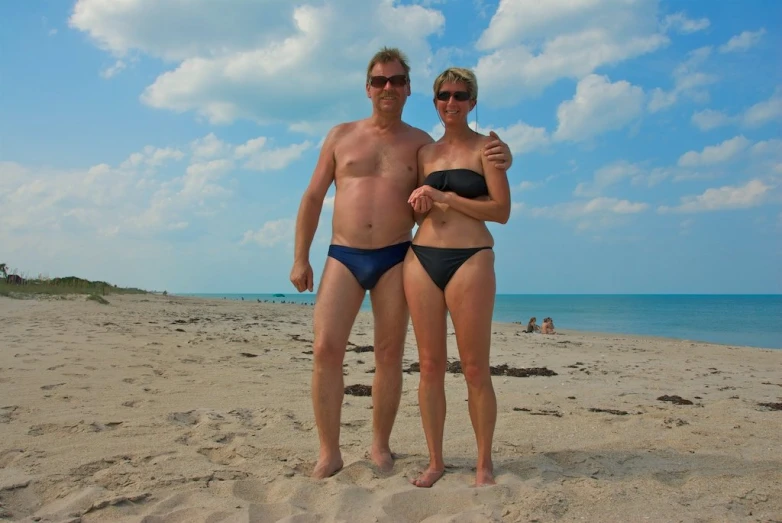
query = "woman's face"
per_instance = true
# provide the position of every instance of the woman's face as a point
(453, 103)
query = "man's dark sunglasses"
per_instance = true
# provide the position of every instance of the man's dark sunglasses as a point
(398, 80)
(460, 96)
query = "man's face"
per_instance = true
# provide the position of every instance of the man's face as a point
(391, 97)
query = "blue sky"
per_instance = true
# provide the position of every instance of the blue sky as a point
(165, 144)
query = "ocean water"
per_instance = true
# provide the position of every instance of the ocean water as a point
(752, 320)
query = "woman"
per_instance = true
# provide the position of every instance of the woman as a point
(450, 268)
(532, 326)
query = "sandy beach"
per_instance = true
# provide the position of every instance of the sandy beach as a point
(171, 409)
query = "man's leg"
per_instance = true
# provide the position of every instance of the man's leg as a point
(391, 319)
(338, 301)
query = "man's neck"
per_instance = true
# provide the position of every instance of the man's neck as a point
(385, 122)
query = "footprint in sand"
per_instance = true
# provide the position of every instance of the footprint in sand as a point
(7, 413)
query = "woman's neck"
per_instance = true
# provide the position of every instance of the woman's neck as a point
(458, 133)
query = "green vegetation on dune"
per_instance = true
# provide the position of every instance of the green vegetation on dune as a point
(60, 286)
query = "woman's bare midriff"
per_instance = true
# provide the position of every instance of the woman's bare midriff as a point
(371, 212)
(446, 227)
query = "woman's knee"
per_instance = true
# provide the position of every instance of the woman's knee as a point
(432, 369)
(477, 375)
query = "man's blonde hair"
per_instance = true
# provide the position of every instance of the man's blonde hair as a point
(458, 74)
(387, 55)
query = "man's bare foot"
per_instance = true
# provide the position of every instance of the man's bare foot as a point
(383, 459)
(326, 467)
(427, 478)
(484, 478)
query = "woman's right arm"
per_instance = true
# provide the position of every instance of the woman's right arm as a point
(421, 206)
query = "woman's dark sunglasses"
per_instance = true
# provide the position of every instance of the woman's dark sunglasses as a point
(460, 96)
(398, 80)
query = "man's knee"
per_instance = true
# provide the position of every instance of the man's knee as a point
(388, 353)
(327, 353)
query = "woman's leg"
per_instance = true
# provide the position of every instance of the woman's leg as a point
(470, 299)
(427, 311)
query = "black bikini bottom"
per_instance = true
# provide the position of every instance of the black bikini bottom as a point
(441, 263)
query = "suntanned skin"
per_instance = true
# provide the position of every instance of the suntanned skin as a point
(373, 163)
(452, 221)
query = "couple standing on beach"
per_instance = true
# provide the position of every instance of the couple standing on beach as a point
(390, 175)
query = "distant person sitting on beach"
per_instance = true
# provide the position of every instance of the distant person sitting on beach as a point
(547, 327)
(532, 326)
(450, 269)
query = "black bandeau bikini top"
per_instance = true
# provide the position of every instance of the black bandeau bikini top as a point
(464, 182)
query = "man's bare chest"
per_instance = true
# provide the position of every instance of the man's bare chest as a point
(372, 158)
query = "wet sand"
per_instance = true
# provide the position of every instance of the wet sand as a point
(160, 408)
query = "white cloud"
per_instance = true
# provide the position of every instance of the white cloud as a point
(145, 195)
(580, 209)
(598, 106)
(531, 44)
(114, 69)
(606, 176)
(271, 233)
(521, 137)
(768, 147)
(597, 213)
(210, 146)
(709, 119)
(527, 186)
(152, 157)
(743, 41)
(689, 81)
(279, 158)
(755, 116)
(680, 23)
(614, 205)
(715, 154)
(765, 111)
(251, 59)
(250, 147)
(751, 194)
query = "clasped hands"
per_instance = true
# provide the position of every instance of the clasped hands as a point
(423, 198)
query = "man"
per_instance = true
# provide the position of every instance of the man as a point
(374, 165)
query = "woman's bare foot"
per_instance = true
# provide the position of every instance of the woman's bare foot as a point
(484, 478)
(383, 459)
(326, 467)
(428, 478)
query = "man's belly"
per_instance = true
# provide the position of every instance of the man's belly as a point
(371, 221)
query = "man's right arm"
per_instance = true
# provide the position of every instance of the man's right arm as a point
(309, 212)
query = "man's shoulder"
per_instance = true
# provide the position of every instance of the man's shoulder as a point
(344, 128)
(341, 132)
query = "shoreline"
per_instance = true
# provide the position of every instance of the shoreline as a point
(193, 409)
(560, 331)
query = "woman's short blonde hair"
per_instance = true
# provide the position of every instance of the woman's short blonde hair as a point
(458, 74)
